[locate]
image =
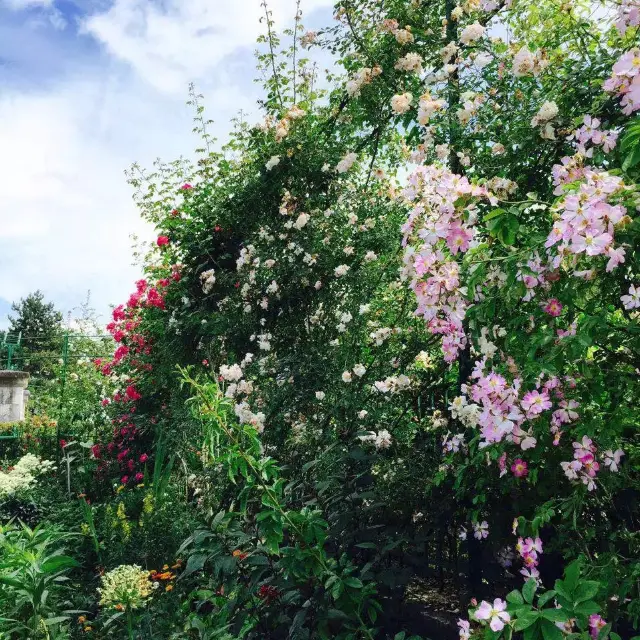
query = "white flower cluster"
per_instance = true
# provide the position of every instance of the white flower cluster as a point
(363, 76)
(411, 62)
(207, 280)
(381, 440)
(346, 163)
(547, 112)
(427, 106)
(468, 414)
(23, 474)
(272, 162)
(246, 416)
(401, 103)
(235, 375)
(472, 33)
(392, 384)
(526, 63)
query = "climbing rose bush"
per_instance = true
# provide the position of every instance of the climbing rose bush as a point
(420, 289)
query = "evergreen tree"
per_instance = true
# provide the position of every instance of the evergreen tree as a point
(40, 325)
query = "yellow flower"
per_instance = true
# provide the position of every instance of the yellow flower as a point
(120, 488)
(169, 587)
(88, 628)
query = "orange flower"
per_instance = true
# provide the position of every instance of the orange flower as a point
(166, 575)
(82, 619)
(169, 587)
(239, 554)
(119, 607)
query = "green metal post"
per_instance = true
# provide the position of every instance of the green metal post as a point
(63, 381)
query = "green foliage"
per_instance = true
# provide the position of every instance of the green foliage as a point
(33, 581)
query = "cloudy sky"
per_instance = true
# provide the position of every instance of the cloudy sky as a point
(86, 88)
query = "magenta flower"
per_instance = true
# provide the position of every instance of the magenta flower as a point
(553, 307)
(596, 623)
(496, 614)
(519, 468)
(162, 240)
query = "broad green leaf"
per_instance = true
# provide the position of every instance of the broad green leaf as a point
(354, 583)
(571, 574)
(587, 608)
(58, 563)
(529, 589)
(545, 597)
(526, 621)
(586, 590)
(555, 615)
(550, 631)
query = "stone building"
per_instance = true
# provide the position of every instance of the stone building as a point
(13, 395)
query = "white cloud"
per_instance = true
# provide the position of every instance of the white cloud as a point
(66, 213)
(171, 43)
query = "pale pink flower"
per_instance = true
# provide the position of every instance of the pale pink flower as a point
(632, 299)
(480, 530)
(495, 614)
(612, 459)
(535, 402)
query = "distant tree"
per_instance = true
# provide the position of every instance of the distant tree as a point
(40, 324)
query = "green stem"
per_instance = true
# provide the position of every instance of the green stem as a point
(130, 623)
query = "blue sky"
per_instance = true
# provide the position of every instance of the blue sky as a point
(86, 88)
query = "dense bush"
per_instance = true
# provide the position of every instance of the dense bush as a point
(387, 341)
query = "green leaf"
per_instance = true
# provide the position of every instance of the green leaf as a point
(57, 620)
(195, 562)
(354, 583)
(494, 214)
(586, 590)
(543, 598)
(367, 545)
(560, 587)
(587, 608)
(555, 615)
(58, 563)
(529, 589)
(550, 631)
(526, 621)
(571, 574)
(515, 597)
(532, 633)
